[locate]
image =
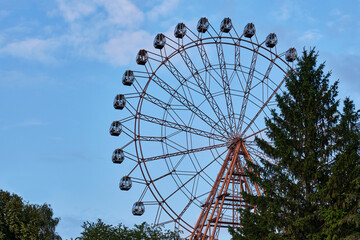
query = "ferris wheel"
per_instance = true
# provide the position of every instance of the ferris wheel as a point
(189, 117)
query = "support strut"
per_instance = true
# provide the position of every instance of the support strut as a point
(225, 199)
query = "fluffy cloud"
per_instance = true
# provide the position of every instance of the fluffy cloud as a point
(122, 12)
(24, 79)
(119, 12)
(162, 9)
(105, 30)
(341, 22)
(72, 10)
(312, 35)
(32, 49)
(122, 49)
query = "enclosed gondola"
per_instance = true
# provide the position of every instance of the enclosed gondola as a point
(142, 57)
(115, 128)
(118, 156)
(159, 41)
(202, 25)
(128, 78)
(291, 55)
(138, 209)
(226, 25)
(180, 30)
(249, 30)
(119, 101)
(271, 40)
(125, 183)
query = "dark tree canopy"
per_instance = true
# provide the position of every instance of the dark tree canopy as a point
(312, 189)
(144, 231)
(23, 221)
(341, 194)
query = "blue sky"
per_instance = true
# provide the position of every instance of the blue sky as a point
(61, 64)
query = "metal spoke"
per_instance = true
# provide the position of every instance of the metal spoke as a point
(162, 122)
(247, 89)
(185, 152)
(226, 84)
(196, 174)
(204, 89)
(262, 107)
(189, 105)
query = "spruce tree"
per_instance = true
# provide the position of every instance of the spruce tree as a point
(302, 134)
(341, 194)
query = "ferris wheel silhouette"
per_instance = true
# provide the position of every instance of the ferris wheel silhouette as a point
(189, 122)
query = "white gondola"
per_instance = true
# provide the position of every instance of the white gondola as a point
(271, 40)
(180, 30)
(159, 41)
(115, 128)
(225, 25)
(119, 101)
(291, 55)
(249, 30)
(125, 183)
(118, 156)
(202, 25)
(138, 209)
(142, 57)
(128, 78)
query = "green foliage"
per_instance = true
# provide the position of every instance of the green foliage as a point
(144, 231)
(312, 189)
(341, 194)
(24, 221)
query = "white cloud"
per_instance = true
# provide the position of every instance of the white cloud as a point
(106, 30)
(21, 79)
(284, 13)
(122, 12)
(312, 35)
(32, 49)
(163, 9)
(25, 123)
(119, 12)
(73, 10)
(291, 9)
(123, 49)
(341, 22)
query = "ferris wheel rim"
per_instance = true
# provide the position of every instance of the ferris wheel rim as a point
(139, 107)
(215, 132)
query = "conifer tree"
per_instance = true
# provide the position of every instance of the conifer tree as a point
(341, 194)
(302, 134)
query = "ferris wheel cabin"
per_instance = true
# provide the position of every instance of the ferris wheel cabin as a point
(249, 30)
(119, 101)
(271, 40)
(180, 30)
(118, 156)
(202, 25)
(291, 55)
(142, 57)
(159, 41)
(115, 128)
(226, 25)
(138, 209)
(128, 78)
(125, 183)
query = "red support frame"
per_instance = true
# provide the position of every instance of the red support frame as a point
(225, 195)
